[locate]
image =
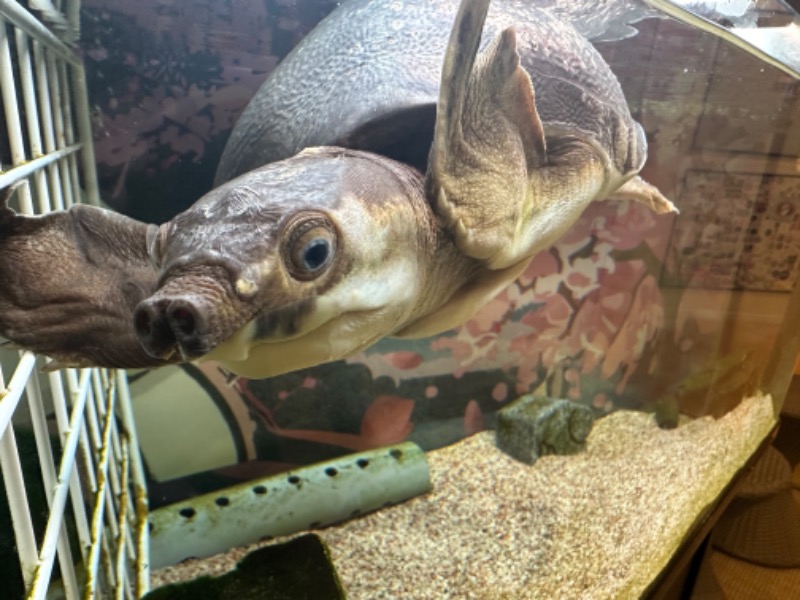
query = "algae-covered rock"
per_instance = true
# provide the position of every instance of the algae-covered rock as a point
(531, 427)
(300, 569)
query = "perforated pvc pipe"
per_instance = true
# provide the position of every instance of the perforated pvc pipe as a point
(307, 498)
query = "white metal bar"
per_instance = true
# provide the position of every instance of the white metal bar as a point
(9, 91)
(32, 114)
(24, 196)
(79, 502)
(46, 112)
(57, 99)
(98, 516)
(66, 84)
(12, 394)
(111, 495)
(105, 411)
(85, 444)
(70, 172)
(11, 107)
(85, 135)
(105, 559)
(98, 547)
(75, 489)
(126, 450)
(105, 397)
(28, 93)
(72, 11)
(76, 194)
(12, 176)
(14, 482)
(103, 389)
(122, 525)
(46, 117)
(45, 452)
(73, 191)
(41, 578)
(139, 488)
(61, 100)
(25, 21)
(39, 422)
(93, 420)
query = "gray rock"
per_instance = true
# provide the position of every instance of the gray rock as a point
(531, 427)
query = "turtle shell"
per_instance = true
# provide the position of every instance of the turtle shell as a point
(368, 78)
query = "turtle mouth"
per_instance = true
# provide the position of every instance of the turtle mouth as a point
(190, 315)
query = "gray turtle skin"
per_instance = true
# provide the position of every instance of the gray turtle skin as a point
(440, 162)
(378, 91)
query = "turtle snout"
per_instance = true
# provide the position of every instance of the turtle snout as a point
(168, 324)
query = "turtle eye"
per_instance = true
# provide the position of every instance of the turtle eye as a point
(311, 248)
(315, 254)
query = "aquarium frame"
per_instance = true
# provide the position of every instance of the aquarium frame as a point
(95, 479)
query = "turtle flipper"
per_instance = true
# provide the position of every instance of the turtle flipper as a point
(488, 137)
(501, 188)
(69, 282)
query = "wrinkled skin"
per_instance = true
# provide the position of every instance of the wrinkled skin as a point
(63, 294)
(320, 255)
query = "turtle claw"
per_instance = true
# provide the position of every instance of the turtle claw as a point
(56, 365)
(638, 190)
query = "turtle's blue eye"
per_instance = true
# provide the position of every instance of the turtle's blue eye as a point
(310, 246)
(316, 254)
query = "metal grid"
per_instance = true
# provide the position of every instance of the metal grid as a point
(93, 539)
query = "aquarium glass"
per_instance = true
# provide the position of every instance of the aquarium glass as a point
(628, 310)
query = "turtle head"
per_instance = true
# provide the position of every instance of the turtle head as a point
(296, 263)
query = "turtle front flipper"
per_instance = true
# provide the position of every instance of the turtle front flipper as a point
(488, 138)
(69, 282)
(513, 167)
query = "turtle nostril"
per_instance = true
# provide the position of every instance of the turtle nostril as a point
(152, 328)
(188, 320)
(164, 323)
(183, 320)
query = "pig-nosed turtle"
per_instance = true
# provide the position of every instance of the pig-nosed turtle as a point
(317, 256)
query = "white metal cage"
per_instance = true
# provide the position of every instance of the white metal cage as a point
(90, 540)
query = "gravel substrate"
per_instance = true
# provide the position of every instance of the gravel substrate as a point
(600, 524)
